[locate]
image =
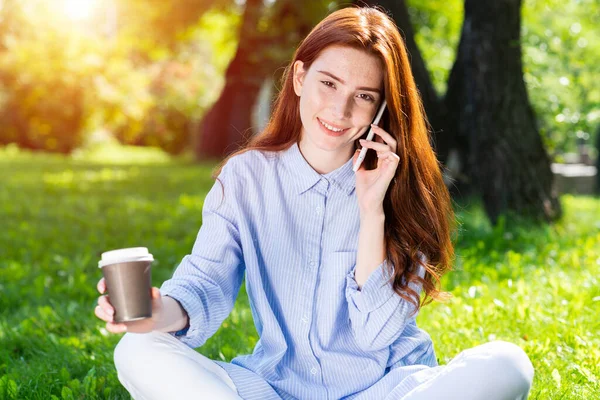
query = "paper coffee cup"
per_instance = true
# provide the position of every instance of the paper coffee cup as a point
(129, 282)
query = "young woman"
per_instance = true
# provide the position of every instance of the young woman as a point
(335, 261)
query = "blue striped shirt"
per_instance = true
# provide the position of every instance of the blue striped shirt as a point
(294, 233)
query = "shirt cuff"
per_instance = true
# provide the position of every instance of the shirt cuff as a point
(376, 291)
(189, 334)
(181, 332)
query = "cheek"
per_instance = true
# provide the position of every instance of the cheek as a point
(311, 101)
(363, 116)
(318, 96)
(306, 110)
(305, 106)
(323, 91)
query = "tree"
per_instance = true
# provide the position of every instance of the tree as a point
(268, 36)
(229, 116)
(160, 23)
(489, 109)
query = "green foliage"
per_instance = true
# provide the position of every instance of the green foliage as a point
(149, 78)
(437, 25)
(42, 90)
(535, 286)
(60, 82)
(168, 20)
(179, 86)
(8, 388)
(561, 61)
(561, 54)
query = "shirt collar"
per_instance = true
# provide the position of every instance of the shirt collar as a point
(305, 177)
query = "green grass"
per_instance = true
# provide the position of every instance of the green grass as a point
(535, 286)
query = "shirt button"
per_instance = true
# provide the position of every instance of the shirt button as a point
(305, 320)
(313, 371)
(318, 209)
(312, 263)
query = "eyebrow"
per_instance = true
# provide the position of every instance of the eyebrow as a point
(368, 89)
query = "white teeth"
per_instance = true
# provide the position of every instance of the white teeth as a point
(331, 128)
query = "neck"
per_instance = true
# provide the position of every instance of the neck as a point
(323, 161)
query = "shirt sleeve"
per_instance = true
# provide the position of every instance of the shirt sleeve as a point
(413, 346)
(207, 281)
(378, 315)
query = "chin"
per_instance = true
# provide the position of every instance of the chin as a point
(327, 143)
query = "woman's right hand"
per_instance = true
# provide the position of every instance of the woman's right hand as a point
(105, 311)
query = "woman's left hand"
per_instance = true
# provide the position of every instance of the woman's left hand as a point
(372, 185)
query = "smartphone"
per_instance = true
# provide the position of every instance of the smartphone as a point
(363, 151)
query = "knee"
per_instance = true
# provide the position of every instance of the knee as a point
(510, 361)
(135, 350)
(127, 352)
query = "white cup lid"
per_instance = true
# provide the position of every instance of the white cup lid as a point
(125, 255)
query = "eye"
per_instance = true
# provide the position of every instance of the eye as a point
(328, 83)
(366, 97)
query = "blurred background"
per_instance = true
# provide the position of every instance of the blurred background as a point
(197, 77)
(113, 114)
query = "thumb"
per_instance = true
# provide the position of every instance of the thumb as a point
(155, 293)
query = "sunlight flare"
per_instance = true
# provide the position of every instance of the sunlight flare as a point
(79, 10)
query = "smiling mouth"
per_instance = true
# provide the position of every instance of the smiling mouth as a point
(332, 128)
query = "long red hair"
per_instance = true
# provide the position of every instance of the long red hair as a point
(419, 218)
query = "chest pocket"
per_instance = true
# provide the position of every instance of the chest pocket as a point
(336, 266)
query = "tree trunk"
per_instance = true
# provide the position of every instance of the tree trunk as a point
(223, 127)
(228, 125)
(489, 109)
(434, 107)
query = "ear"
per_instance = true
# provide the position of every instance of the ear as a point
(298, 76)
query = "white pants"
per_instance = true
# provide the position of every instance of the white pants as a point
(158, 366)
(492, 371)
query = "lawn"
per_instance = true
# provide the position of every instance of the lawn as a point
(535, 286)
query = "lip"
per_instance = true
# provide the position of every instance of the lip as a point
(331, 133)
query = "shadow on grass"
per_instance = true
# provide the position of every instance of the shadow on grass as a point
(517, 244)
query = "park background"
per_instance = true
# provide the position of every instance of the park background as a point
(113, 115)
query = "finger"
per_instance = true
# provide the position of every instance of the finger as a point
(104, 303)
(101, 286)
(100, 313)
(155, 293)
(390, 157)
(387, 138)
(116, 328)
(379, 147)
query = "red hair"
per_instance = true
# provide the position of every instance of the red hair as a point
(418, 210)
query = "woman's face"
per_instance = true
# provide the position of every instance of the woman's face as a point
(339, 96)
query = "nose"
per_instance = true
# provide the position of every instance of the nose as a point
(342, 108)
